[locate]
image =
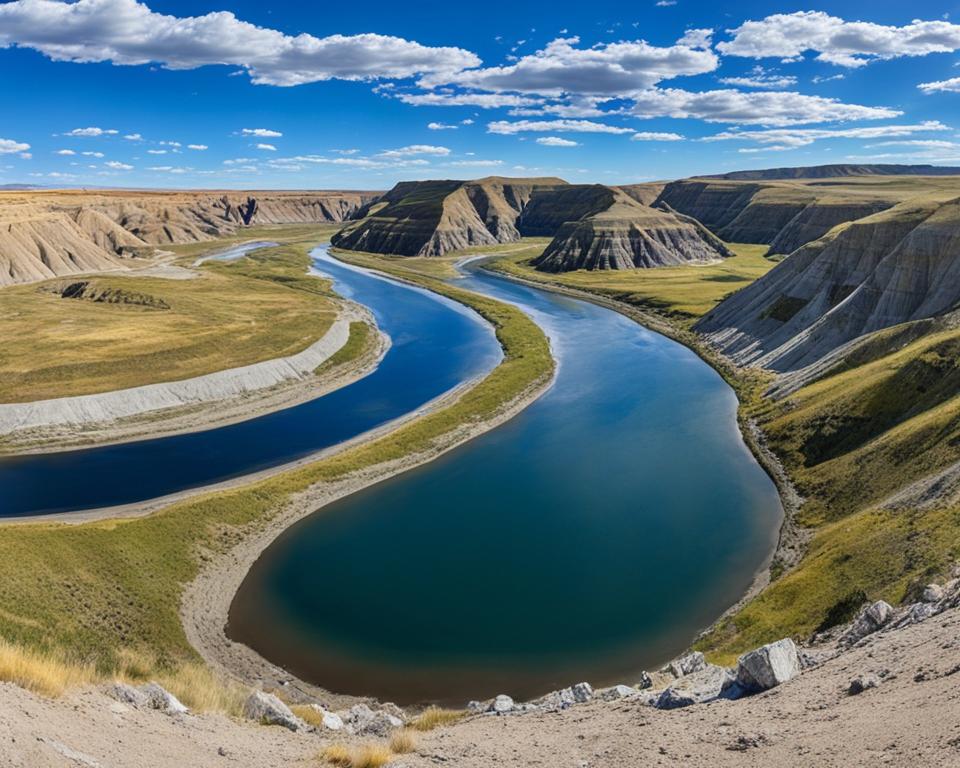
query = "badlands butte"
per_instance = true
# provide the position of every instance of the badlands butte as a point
(828, 298)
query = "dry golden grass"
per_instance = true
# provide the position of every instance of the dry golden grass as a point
(435, 717)
(403, 742)
(308, 713)
(362, 756)
(46, 673)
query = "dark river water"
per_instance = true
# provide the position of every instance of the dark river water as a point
(589, 538)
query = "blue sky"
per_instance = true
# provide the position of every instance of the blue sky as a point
(242, 95)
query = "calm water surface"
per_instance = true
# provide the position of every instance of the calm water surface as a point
(587, 539)
(437, 344)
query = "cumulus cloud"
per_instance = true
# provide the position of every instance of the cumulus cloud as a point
(941, 86)
(10, 147)
(844, 43)
(556, 141)
(792, 138)
(118, 166)
(263, 133)
(755, 108)
(92, 154)
(126, 32)
(156, 151)
(475, 163)
(267, 147)
(612, 68)
(65, 152)
(655, 136)
(416, 149)
(133, 137)
(198, 147)
(506, 127)
(93, 131)
(441, 127)
(758, 77)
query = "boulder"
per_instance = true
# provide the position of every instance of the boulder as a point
(863, 683)
(127, 694)
(362, 720)
(502, 704)
(769, 666)
(479, 706)
(687, 665)
(707, 684)
(870, 619)
(329, 720)
(267, 709)
(932, 593)
(582, 692)
(914, 614)
(616, 692)
(555, 700)
(644, 682)
(159, 698)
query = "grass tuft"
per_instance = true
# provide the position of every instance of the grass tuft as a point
(435, 717)
(403, 742)
(44, 672)
(363, 756)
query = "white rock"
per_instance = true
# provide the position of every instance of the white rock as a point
(158, 698)
(267, 709)
(870, 619)
(330, 720)
(687, 665)
(617, 692)
(362, 720)
(698, 687)
(582, 692)
(863, 683)
(769, 666)
(502, 704)
(127, 694)
(914, 614)
(932, 593)
(555, 700)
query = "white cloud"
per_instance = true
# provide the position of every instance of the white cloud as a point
(267, 147)
(128, 33)
(922, 143)
(506, 127)
(792, 138)
(416, 149)
(754, 108)
(93, 131)
(441, 127)
(92, 154)
(65, 152)
(198, 147)
(133, 137)
(475, 163)
(665, 3)
(817, 79)
(759, 77)
(156, 151)
(612, 68)
(176, 144)
(444, 98)
(844, 43)
(346, 151)
(118, 166)
(941, 86)
(263, 133)
(467, 121)
(9, 146)
(655, 136)
(556, 141)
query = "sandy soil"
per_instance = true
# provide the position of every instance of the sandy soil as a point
(911, 719)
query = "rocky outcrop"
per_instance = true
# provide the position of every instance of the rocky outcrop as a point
(629, 235)
(267, 709)
(784, 216)
(768, 666)
(431, 218)
(893, 267)
(49, 234)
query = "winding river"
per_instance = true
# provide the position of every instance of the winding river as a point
(588, 538)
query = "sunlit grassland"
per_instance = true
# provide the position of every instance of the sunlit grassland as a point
(99, 593)
(680, 293)
(258, 308)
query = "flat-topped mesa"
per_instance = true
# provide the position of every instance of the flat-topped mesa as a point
(894, 267)
(431, 218)
(47, 234)
(626, 234)
(782, 215)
